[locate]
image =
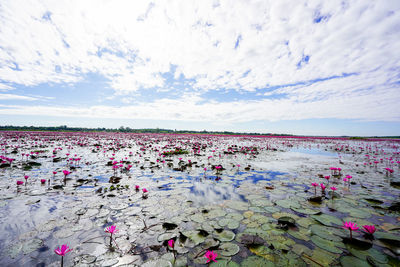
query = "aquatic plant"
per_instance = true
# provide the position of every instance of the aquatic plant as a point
(66, 173)
(323, 187)
(42, 181)
(369, 229)
(211, 256)
(351, 227)
(111, 230)
(171, 245)
(144, 195)
(315, 187)
(62, 252)
(20, 183)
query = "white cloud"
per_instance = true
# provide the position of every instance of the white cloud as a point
(5, 87)
(16, 97)
(132, 43)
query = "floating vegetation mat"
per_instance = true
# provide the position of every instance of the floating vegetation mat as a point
(104, 199)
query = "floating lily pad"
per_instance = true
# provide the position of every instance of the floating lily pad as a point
(378, 256)
(301, 234)
(325, 244)
(253, 261)
(229, 249)
(196, 236)
(224, 263)
(306, 211)
(327, 220)
(157, 262)
(198, 217)
(237, 205)
(329, 233)
(224, 235)
(230, 223)
(215, 213)
(349, 261)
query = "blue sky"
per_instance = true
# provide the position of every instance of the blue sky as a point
(318, 68)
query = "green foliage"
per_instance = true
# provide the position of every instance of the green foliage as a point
(177, 151)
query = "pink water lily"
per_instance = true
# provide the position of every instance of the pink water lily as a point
(144, 190)
(42, 181)
(333, 188)
(369, 229)
(171, 243)
(63, 250)
(137, 187)
(315, 187)
(20, 183)
(351, 226)
(322, 187)
(211, 256)
(111, 230)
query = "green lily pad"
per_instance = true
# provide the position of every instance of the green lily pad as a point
(327, 220)
(287, 203)
(229, 249)
(196, 236)
(198, 217)
(349, 261)
(262, 251)
(215, 213)
(237, 205)
(306, 211)
(31, 245)
(224, 263)
(230, 223)
(374, 253)
(254, 261)
(325, 244)
(235, 216)
(157, 262)
(302, 234)
(271, 209)
(323, 257)
(329, 233)
(224, 235)
(299, 249)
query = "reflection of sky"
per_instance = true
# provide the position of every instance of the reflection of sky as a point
(313, 151)
(203, 193)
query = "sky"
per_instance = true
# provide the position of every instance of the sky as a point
(295, 67)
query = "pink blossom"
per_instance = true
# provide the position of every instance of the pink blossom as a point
(111, 229)
(171, 243)
(63, 250)
(322, 187)
(369, 229)
(211, 256)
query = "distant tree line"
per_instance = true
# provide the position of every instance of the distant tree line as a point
(122, 129)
